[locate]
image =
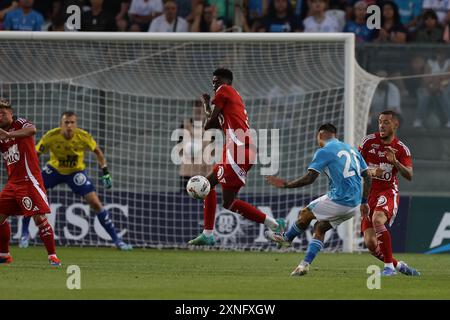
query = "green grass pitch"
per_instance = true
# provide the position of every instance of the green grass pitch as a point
(107, 273)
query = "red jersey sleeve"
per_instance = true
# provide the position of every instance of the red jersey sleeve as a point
(22, 123)
(363, 146)
(220, 97)
(404, 156)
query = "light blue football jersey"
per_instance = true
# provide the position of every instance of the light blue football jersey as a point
(343, 165)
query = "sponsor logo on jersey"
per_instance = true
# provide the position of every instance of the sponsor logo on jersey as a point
(375, 145)
(27, 203)
(12, 155)
(79, 179)
(381, 154)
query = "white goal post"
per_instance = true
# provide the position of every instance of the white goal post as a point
(132, 91)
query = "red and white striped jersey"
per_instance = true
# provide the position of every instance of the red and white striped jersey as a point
(373, 151)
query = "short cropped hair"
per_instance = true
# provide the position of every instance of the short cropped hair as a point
(224, 73)
(390, 112)
(328, 127)
(68, 113)
(5, 104)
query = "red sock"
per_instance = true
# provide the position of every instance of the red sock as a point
(47, 236)
(248, 211)
(379, 255)
(209, 210)
(5, 236)
(384, 242)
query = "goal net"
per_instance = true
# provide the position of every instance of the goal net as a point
(133, 93)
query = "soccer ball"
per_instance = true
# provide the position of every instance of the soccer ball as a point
(198, 187)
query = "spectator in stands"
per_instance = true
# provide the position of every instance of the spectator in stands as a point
(205, 19)
(280, 18)
(224, 10)
(24, 18)
(409, 11)
(441, 7)
(169, 21)
(142, 12)
(358, 24)
(319, 21)
(97, 19)
(193, 149)
(429, 31)
(57, 23)
(5, 7)
(386, 97)
(122, 19)
(434, 89)
(392, 29)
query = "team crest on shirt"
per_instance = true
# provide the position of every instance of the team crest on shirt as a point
(381, 201)
(27, 203)
(375, 145)
(79, 179)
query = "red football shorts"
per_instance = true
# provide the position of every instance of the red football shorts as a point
(385, 201)
(232, 172)
(23, 199)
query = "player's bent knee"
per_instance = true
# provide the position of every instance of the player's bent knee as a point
(304, 218)
(371, 244)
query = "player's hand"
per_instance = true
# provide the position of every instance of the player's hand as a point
(3, 134)
(276, 182)
(390, 154)
(106, 180)
(364, 208)
(205, 98)
(376, 172)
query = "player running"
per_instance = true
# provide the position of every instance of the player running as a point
(67, 145)
(385, 156)
(239, 152)
(344, 167)
(24, 193)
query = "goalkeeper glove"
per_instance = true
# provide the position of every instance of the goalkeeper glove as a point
(106, 178)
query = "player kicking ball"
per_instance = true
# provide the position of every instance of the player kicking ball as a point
(24, 193)
(385, 156)
(239, 152)
(344, 167)
(67, 145)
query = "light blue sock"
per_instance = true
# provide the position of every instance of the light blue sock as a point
(293, 232)
(106, 222)
(313, 249)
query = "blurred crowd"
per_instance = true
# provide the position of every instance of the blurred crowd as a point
(401, 20)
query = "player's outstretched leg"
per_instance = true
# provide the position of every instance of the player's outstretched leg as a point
(25, 237)
(284, 239)
(206, 238)
(5, 235)
(314, 247)
(104, 219)
(48, 238)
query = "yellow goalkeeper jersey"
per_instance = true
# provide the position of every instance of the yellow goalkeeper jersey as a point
(66, 156)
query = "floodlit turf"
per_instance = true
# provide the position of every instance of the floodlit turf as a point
(182, 274)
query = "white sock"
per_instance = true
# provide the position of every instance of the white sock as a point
(208, 233)
(389, 265)
(270, 223)
(4, 254)
(397, 267)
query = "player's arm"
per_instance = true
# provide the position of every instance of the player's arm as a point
(21, 133)
(307, 179)
(212, 116)
(106, 178)
(405, 171)
(367, 184)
